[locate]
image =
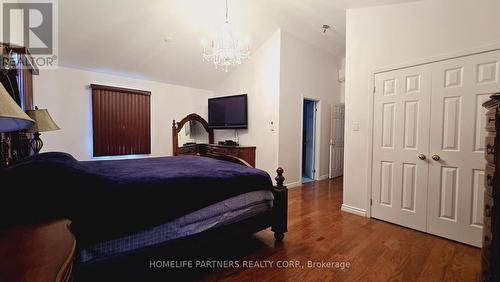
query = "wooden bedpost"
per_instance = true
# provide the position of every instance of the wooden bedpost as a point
(175, 140)
(280, 192)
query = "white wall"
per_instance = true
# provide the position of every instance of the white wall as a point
(65, 93)
(306, 72)
(258, 77)
(279, 75)
(390, 35)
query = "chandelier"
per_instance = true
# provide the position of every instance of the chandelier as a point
(226, 49)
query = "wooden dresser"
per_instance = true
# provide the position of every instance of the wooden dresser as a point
(246, 153)
(38, 252)
(490, 251)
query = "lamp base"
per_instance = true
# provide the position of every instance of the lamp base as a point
(36, 143)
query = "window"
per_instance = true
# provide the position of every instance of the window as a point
(121, 120)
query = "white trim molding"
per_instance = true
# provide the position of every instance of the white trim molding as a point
(293, 184)
(353, 210)
(324, 177)
(441, 57)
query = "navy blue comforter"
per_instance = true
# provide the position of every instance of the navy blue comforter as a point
(108, 199)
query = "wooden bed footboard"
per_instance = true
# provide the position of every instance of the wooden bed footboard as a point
(280, 193)
(280, 209)
(228, 158)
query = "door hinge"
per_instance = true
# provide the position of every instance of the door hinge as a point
(314, 171)
(371, 202)
(374, 89)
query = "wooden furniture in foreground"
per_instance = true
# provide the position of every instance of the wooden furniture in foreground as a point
(491, 242)
(245, 154)
(41, 252)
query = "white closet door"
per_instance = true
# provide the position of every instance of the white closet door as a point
(456, 180)
(401, 134)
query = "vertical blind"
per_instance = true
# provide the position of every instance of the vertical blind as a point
(121, 121)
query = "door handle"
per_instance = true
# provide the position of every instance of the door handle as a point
(436, 157)
(422, 157)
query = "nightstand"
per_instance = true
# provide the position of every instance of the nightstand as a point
(37, 252)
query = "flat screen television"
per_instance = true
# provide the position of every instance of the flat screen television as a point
(228, 112)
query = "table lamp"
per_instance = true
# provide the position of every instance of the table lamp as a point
(43, 123)
(12, 117)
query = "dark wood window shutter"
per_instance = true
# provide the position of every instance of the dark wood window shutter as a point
(121, 121)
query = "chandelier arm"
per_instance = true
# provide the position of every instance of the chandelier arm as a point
(227, 13)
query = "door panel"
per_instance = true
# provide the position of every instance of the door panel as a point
(309, 128)
(337, 140)
(401, 133)
(459, 87)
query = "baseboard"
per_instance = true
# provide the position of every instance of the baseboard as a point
(293, 185)
(324, 177)
(353, 210)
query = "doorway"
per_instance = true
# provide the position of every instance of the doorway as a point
(308, 140)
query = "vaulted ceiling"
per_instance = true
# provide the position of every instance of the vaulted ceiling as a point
(161, 39)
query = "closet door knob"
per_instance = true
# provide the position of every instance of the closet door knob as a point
(422, 157)
(436, 157)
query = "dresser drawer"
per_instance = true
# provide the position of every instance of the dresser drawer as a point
(491, 120)
(488, 209)
(489, 178)
(188, 150)
(485, 266)
(226, 151)
(489, 151)
(487, 242)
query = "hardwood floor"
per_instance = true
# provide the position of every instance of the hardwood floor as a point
(376, 250)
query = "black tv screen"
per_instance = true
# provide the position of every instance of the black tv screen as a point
(228, 112)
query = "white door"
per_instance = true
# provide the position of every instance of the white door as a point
(401, 135)
(456, 185)
(337, 140)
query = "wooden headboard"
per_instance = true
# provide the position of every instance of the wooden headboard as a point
(16, 74)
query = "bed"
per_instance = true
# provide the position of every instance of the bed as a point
(121, 208)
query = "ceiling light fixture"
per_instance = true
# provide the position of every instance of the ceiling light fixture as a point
(226, 49)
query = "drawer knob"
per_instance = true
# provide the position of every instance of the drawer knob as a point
(487, 211)
(489, 180)
(490, 149)
(486, 241)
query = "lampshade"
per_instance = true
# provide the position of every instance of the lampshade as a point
(43, 121)
(12, 117)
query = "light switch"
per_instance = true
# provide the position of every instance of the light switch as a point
(355, 126)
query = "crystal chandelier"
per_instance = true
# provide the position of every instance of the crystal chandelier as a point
(226, 49)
